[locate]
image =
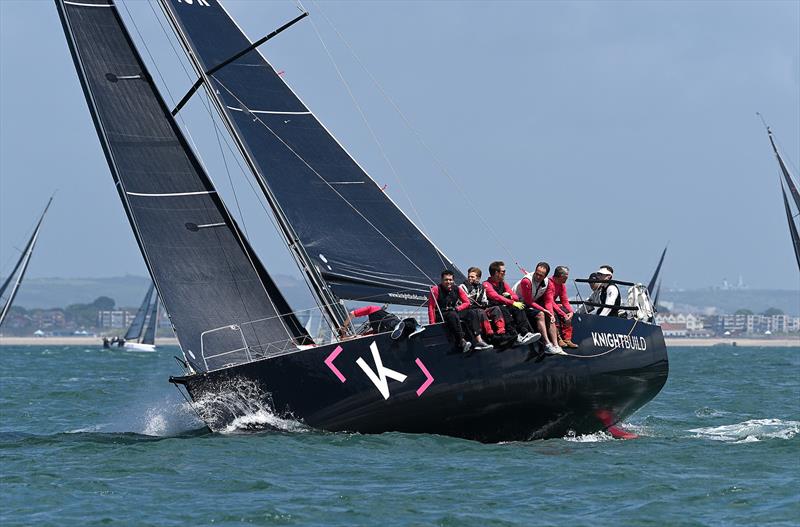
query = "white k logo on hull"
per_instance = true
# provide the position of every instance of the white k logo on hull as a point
(380, 380)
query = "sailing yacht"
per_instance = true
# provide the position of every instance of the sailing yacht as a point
(351, 242)
(141, 334)
(18, 272)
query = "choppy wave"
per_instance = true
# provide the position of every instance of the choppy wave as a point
(709, 412)
(750, 431)
(240, 405)
(597, 437)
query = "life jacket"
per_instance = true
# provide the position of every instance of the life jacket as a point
(617, 302)
(476, 294)
(447, 300)
(500, 289)
(537, 291)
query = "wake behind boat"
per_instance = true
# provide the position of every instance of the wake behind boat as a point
(239, 336)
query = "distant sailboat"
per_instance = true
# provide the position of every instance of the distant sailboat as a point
(788, 182)
(20, 268)
(652, 283)
(655, 279)
(142, 331)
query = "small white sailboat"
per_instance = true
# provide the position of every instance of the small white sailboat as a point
(141, 335)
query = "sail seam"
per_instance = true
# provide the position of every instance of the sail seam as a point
(272, 112)
(198, 193)
(88, 5)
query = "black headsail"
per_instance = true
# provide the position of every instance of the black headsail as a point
(149, 336)
(205, 273)
(787, 180)
(350, 233)
(135, 329)
(792, 228)
(21, 266)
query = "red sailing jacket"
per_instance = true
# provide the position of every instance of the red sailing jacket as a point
(433, 300)
(494, 296)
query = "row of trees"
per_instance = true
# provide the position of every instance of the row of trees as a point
(767, 313)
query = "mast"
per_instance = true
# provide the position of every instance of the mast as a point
(330, 305)
(23, 263)
(355, 241)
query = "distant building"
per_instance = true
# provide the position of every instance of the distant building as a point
(753, 324)
(688, 321)
(114, 319)
(48, 319)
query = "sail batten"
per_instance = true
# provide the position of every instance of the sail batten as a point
(332, 207)
(206, 278)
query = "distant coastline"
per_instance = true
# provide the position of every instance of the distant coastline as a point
(785, 342)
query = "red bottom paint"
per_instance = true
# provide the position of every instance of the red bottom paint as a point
(607, 418)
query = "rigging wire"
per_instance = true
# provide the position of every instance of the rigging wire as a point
(372, 133)
(183, 121)
(308, 165)
(419, 137)
(206, 100)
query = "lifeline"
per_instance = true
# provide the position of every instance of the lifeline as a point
(618, 340)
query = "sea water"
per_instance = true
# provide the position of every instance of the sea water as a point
(96, 437)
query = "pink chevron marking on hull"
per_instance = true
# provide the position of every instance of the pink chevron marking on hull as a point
(329, 363)
(429, 380)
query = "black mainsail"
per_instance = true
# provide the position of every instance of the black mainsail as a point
(350, 233)
(215, 290)
(20, 267)
(788, 182)
(136, 327)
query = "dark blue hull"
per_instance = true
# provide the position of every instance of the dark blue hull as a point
(516, 394)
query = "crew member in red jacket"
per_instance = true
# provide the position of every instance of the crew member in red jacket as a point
(500, 295)
(557, 289)
(449, 304)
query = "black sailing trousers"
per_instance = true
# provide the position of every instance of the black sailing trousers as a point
(516, 320)
(462, 325)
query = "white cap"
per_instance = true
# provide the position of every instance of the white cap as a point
(605, 270)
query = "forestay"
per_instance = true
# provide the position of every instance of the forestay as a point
(360, 242)
(205, 273)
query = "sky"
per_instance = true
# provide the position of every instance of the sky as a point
(581, 133)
